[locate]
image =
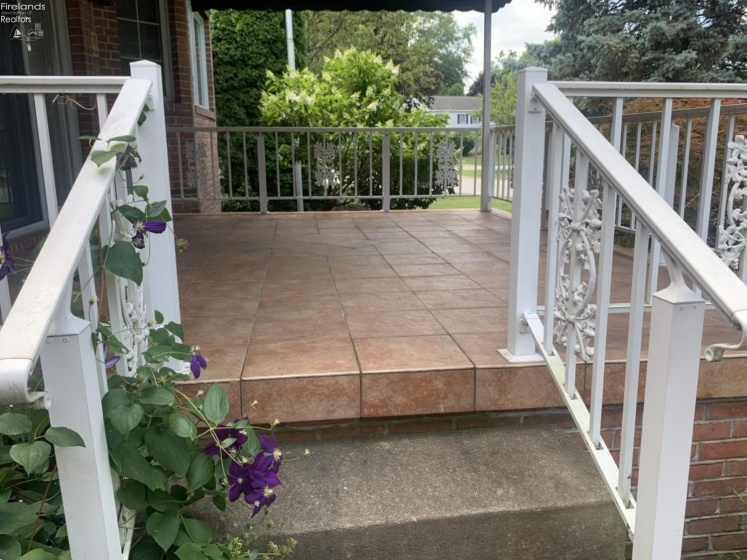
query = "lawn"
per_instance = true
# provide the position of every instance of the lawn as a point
(460, 202)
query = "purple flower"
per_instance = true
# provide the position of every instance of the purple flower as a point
(269, 445)
(223, 433)
(7, 262)
(197, 363)
(239, 480)
(111, 362)
(254, 480)
(150, 226)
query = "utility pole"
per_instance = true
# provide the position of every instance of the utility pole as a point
(289, 39)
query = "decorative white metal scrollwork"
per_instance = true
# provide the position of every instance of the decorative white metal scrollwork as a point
(446, 175)
(578, 239)
(325, 158)
(731, 239)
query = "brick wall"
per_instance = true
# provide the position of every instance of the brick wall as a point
(94, 44)
(716, 524)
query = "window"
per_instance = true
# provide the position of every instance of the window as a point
(199, 61)
(143, 35)
(475, 120)
(462, 118)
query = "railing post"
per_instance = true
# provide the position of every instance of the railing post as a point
(527, 215)
(669, 407)
(386, 200)
(71, 380)
(262, 170)
(160, 283)
(298, 185)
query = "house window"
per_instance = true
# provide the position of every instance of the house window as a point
(462, 118)
(143, 35)
(199, 62)
(475, 120)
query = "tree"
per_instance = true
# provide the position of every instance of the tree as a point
(649, 40)
(431, 49)
(503, 88)
(353, 89)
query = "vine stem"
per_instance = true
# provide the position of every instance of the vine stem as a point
(41, 507)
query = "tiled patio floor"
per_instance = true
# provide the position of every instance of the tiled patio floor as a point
(323, 316)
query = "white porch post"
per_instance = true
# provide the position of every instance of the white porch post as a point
(71, 378)
(669, 408)
(160, 283)
(486, 176)
(527, 214)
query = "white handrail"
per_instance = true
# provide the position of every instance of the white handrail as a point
(62, 84)
(48, 282)
(650, 89)
(725, 289)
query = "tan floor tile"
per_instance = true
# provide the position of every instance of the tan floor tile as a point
(413, 259)
(304, 399)
(215, 330)
(299, 357)
(375, 285)
(295, 286)
(428, 283)
(232, 273)
(459, 258)
(225, 362)
(392, 323)
(458, 299)
(473, 321)
(425, 270)
(323, 326)
(342, 271)
(400, 394)
(298, 305)
(515, 388)
(193, 307)
(482, 349)
(383, 301)
(223, 289)
(409, 353)
(402, 249)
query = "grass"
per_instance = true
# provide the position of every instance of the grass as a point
(463, 202)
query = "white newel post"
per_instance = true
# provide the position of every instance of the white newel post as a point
(71, 379)
(160, 281)
(669, 407)
(526, 215)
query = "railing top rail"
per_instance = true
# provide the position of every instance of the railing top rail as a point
(698, 260)
(62, 84)
(695, 112)
(650, 89)
(48, 283)
(305, 129)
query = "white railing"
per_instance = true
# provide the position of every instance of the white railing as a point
(261, 168)
(580, 239)
(40, 325)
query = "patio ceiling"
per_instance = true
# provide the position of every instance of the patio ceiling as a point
(338, 5)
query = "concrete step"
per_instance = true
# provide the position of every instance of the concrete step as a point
(509, 493)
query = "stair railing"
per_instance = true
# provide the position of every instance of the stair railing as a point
(587, 175)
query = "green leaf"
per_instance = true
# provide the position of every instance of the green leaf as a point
(13, 424)
(157, 395)
(147, 549)
(85, 137)
(158, 316)
(122, 259)
(216, 404)
(16, 515)
(168, 449)
(34, 457)
(125, 417)
(162, 501)
(143, 116)
(199, 531)
(132, 494)
(112, 399)
(213, 552)
(64, 437)
(131, 213)
(38, 554)
(100, 157)
(182, 426)
(162, 337)
(155, 209)
(130, 463)
(176, 329)
(200, 472)
(219, 501)
(190, 551)
(163, 528)
(126, 138)
(252, 445)
(9, 548)
(157, 354)
(141, 191)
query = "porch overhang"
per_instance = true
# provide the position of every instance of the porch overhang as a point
(339, 5)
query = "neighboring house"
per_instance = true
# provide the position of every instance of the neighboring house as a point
(90, 38)
(460, 109)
